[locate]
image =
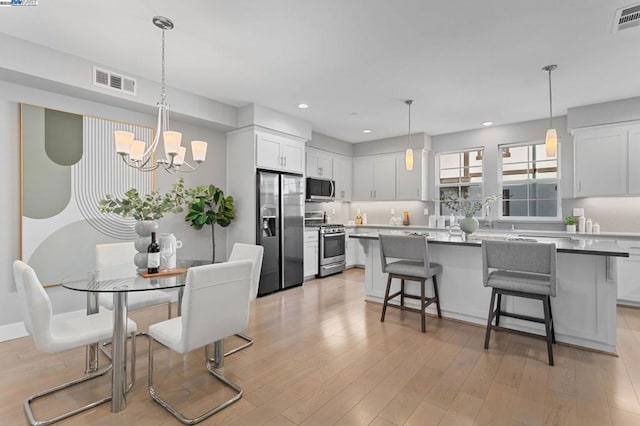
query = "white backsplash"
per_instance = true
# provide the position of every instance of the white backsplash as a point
(378, 213)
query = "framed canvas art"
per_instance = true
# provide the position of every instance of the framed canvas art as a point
(69, 163)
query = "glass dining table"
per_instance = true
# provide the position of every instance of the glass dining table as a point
(112, 281)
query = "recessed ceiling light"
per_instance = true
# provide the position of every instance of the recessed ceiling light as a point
(366, 131)
(303, 106)
(487, 123)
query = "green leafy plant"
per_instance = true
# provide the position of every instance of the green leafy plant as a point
(150, 206)
(207, 205)
(465, 206)
(570, 220)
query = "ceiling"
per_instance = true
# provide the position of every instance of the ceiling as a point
(355, 61)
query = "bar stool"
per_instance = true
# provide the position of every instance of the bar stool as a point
(411, 264)
(521, 269)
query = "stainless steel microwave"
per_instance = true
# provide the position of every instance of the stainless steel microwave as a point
(320, 189)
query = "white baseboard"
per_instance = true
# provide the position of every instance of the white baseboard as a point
(12, 331)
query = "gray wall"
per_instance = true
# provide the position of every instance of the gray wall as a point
(327, 143)
(196, 243)
(390, 145)
(604, 113)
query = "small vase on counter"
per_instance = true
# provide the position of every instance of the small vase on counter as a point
(406, 221)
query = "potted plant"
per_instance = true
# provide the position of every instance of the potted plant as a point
(146, 210)
(466, 208)
(146, 207)
(207, 205)
(570, 222)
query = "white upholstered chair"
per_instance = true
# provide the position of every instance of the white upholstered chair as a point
(253, 253)
(116, 261)
(215, 305)
(53, 334)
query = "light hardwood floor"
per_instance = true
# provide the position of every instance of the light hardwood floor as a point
(322, 357)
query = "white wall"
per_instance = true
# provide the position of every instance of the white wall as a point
(196, 243)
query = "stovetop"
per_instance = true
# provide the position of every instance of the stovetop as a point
(324, 225)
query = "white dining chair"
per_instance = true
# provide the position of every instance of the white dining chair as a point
(253, 253)
(215, 305)
(116, 261)
(53, 334)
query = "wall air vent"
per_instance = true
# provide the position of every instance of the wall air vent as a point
(114, 81)
(626, 18)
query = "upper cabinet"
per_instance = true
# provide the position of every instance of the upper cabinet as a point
(326, 165)
(343, 175)
(374, 178)
(279, 153)
(411, 185)
(634, 160)
(384, 177)
(319, 164)
(605, 159)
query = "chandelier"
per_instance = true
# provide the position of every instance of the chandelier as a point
(137, 155)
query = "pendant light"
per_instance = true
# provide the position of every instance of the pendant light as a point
(408, 156)
(551, 140)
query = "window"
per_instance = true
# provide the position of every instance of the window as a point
(529, 181)
(460, 175)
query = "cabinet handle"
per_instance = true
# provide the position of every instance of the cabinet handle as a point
(320, 171)
(579, 186)
(342, 192)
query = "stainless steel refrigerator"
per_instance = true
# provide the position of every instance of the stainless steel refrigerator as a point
(280, 230)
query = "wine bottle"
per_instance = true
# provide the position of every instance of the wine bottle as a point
(153, 255)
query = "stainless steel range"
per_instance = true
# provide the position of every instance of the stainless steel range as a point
(332, 249)
(332, 244)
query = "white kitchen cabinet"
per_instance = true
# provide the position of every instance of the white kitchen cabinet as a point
(629, 279)
(343, 176)
(600, 161)
(374, 178)
(311, 255)
(411, 185)
(319, 164)
(634, 160)
(354, 251)
(279, 153)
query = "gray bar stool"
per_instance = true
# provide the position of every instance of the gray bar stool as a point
(411, 263)
(522, 269)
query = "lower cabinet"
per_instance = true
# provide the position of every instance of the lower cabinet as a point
(629, 279)
(311, 256)
(354, 251)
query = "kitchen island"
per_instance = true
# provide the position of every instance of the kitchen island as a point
(584, 310)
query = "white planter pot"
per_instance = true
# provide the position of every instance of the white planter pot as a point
(571, 228)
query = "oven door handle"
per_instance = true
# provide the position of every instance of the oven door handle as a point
(337, 234)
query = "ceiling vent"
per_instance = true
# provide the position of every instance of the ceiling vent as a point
(114, 81)
(627, 17)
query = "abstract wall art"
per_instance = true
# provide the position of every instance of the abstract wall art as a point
(68, 164)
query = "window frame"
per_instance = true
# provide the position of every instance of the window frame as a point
(438, 185)
(557, 180)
